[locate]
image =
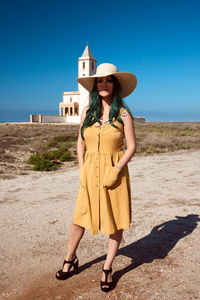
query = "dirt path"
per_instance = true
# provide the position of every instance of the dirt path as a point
(159, 255)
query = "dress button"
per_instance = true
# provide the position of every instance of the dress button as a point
(96, 185)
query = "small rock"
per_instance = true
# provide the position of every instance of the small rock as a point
(32, 150)
(53, 222)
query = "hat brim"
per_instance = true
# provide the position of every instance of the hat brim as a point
(128, 82)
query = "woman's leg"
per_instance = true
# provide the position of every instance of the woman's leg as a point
(113, 246)
(76, 233)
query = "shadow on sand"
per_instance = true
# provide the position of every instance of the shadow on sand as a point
(156, 245)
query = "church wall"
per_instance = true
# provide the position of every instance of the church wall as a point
(81, 70)
(73, 119)
(84, 102)
(83, 93)
(66, 119)
(70, 98)
(52, 119)
(86, 70)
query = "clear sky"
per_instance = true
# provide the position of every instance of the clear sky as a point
(157, 40)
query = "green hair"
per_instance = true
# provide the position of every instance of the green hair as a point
(93, 113)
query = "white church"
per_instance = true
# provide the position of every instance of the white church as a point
(71, 107)
(74, 102)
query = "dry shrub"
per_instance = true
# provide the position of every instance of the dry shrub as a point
(152, 138)
(163, 137)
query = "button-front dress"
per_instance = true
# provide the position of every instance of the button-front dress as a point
(99, 207)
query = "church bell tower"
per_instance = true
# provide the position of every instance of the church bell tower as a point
(86, 67)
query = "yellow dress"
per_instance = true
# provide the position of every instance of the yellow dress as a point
(104, 196)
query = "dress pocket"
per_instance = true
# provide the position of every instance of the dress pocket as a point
(82, 178)
(112, 177)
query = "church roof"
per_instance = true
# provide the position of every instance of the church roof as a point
(87, 52)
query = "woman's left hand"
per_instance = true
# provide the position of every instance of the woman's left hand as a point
(112, 177)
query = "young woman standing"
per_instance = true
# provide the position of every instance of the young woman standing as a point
(104, 196)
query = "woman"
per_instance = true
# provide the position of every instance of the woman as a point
(104, 197)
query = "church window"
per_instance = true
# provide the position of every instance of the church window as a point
(92, 66)
(70, 99)
(83, 65)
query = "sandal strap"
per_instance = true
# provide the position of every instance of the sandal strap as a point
(106, 283)
(107, 271)
(69, 261)
(106, 275)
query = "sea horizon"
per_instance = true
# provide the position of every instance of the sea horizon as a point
(9, 116)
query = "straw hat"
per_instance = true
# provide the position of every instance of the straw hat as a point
(128, 81)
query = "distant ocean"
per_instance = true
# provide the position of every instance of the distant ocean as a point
(24, 116)
(169, 117)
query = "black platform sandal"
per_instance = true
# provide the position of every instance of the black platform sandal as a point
(64, 275)
(109, 284)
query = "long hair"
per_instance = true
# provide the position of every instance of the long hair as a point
(93, 113)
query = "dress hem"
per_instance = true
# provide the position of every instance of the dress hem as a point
(96, 232)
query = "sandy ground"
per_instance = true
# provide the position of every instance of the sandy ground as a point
(159, 255)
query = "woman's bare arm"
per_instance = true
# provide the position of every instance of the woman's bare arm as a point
(81, 148)
(129, 133)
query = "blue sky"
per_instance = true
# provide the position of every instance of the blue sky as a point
(158, 41)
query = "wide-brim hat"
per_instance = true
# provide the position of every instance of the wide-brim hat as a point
(128, 81)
